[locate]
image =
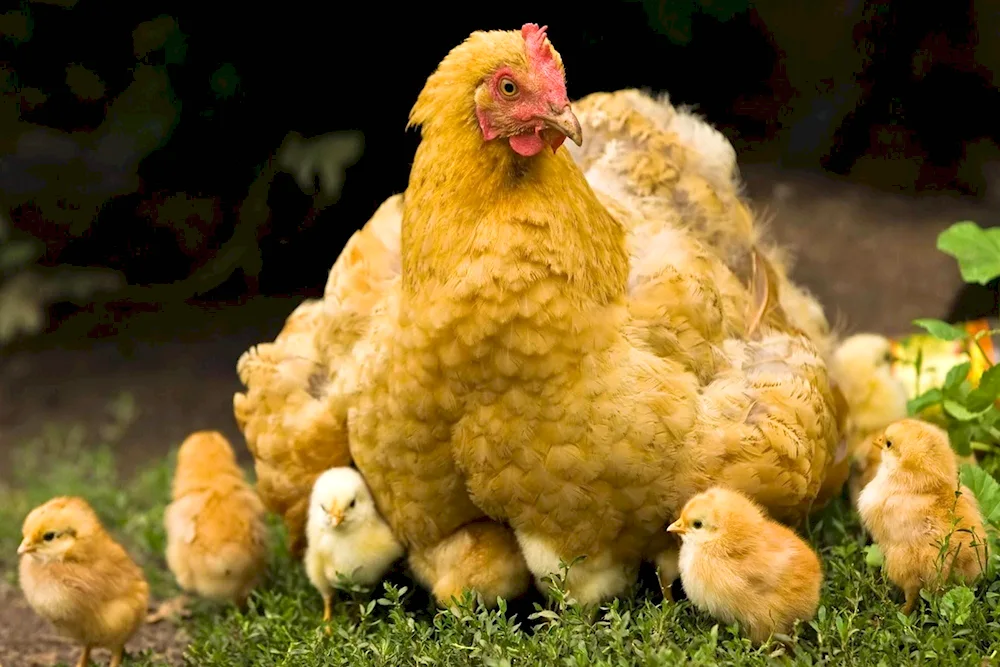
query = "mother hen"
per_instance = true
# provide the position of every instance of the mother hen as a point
(533, 364)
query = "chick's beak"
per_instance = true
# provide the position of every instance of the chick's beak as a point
(25, 548)
(566, 124)
(336, 516)
(676, 527)
(879, 442)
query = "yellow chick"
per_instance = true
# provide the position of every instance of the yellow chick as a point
(910, 509)
(346, 535)
(216, 535)
(739, 565)
(76, 576)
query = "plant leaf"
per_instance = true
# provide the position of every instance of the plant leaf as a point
(940, 329)
(959, 411)
(955, 377)
(976, 249)
(989, 383)
(986, 490)
(925, 400)
(961, 438)
(874, 556)
(956, 604)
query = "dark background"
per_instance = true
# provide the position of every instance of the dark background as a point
(863, 129)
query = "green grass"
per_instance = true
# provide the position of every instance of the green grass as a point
(858, 622)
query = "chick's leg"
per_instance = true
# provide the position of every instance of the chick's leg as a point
(482, 557)
(912, 596)
(117, 655)
(84, 657)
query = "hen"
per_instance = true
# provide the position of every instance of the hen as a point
(534, 366)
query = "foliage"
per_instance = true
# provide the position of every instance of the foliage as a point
(857, 623)
(83, 171)
(969, 412)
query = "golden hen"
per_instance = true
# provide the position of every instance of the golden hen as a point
(555, 358)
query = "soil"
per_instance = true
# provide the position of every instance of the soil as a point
(869, 256)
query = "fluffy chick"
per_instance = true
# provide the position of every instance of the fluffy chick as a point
(346, 535)
(927, 534)
(862, 368)
(739, 565)
(76, 576)
(216, 536)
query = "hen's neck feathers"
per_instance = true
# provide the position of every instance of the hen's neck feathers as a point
(467, 198)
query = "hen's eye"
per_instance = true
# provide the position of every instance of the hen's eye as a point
(508, 87)
(49, 536)
(696, 524)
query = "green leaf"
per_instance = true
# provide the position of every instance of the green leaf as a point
(986, 490)
(225, 81)
(979, 401)
(959, 411)
(925, 400)
(976, 249)
(955, 377)
(941, 330)
(989, 383)
(874, 556)
(956, 604)
(961, 438)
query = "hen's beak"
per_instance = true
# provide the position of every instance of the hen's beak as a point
(565, 123)
(677, 527)
(25, 548)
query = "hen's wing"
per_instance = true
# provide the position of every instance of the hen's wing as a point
(675, 169)
(295, 426)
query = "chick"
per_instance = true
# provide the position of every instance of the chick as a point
(216, 535)
(927, 534)
(346, 535)
(862, 367)
(739, 565)
(76, 576)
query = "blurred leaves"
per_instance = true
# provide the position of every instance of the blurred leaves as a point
(674, 18)
(160, 33)
(16, 26)
(83, 83)
(324, 158)
(225, 81)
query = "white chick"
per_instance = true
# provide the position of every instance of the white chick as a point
(346, 535)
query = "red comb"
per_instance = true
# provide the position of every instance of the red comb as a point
(535, 42)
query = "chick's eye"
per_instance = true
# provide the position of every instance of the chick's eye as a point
(49, 536)
(508, 87)
(888, 444)
(887, 358)
(696, 524)
(352, 503)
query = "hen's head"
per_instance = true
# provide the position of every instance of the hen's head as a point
(511, 85)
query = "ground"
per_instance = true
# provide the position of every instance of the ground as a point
(869, 256)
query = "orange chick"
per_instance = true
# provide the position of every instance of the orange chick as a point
(216, 535)
(740, 566)
(77, 577)
(928, 534)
